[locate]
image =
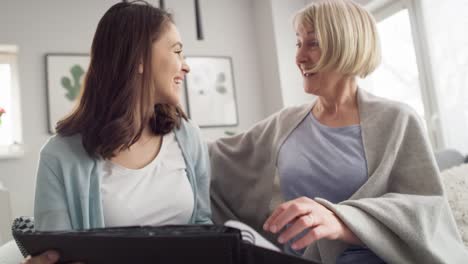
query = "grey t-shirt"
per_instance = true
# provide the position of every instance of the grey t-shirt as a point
(321, 161)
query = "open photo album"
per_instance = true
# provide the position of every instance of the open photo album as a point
(233, 243)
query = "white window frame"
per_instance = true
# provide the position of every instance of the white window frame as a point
(8, 54)
(382, 9)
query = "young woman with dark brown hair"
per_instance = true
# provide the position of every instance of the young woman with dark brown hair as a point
(127, 155)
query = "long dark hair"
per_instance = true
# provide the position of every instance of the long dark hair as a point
(117, 102)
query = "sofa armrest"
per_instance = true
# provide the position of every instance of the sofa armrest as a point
(5, 216)
(448, 158)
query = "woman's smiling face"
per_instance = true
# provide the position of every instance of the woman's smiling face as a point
(169, 67)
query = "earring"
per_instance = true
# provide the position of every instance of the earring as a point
(140, 69)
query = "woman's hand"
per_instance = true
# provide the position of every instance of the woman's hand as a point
(304, 213)
(48, 257)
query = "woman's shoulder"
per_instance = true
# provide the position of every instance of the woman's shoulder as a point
(64, 146)
(189, 128)
(188, 133)
(295, 110)
(380, 107)
(190, 139)
(285, 117)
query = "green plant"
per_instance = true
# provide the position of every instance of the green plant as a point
(73, 88)
(229, 133)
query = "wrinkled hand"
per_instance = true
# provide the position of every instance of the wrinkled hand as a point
(304, 213)
(48, 257)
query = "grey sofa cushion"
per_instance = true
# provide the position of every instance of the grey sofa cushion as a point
(448, 158)
(455, 182)
(10, 254)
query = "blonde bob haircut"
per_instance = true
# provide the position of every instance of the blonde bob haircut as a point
(346, 35)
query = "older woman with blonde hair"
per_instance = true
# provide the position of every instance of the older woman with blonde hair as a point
(349, 177)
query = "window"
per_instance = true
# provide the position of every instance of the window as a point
(397, 77)
(10, 126)
(404, 74)
(447, 48)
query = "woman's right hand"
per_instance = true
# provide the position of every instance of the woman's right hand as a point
(48, 257)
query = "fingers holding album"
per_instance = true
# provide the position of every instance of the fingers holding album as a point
(306, 215)
(48, 257)
(288, 212)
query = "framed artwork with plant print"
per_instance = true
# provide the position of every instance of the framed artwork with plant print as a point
(65, 76)
(210, 91)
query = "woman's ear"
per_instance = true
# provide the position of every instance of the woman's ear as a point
(140, 68)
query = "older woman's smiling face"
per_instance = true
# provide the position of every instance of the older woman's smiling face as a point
(308, 54)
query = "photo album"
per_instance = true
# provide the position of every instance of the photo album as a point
(234, 242)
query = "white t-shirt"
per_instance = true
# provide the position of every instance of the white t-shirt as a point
(158, 194)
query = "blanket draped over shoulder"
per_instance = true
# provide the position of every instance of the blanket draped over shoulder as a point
(400, 213)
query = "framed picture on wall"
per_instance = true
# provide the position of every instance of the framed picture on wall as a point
(65, 75)
(210, 91)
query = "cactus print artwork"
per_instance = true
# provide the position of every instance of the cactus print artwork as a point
(73, 85)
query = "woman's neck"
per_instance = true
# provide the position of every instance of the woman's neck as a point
(341, 97)
(142, 152)
(339, 106)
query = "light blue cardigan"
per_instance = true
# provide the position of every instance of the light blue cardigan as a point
(68, 183)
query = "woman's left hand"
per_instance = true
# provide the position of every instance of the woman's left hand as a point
(305, 213)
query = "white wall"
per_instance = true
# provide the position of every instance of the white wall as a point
(228, 31)
(276, 41)
(40, 27)
(268, 57)
(285, 39)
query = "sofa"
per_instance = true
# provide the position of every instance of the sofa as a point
(454, 174)
(454, 168)
(9, 252)
(5, 216)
